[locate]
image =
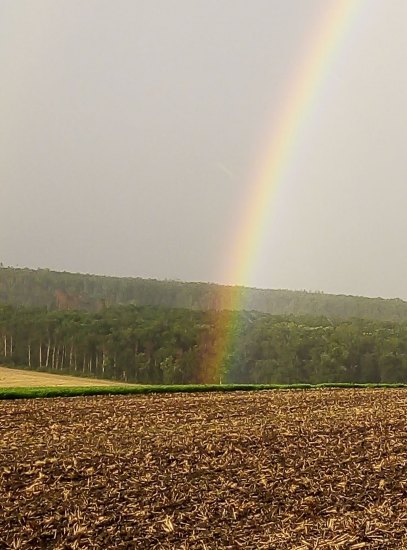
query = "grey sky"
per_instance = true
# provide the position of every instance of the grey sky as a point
(130, 129)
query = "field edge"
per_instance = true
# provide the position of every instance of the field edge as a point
(78, 391)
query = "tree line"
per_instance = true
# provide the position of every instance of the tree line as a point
(74, 291)
(154, 345)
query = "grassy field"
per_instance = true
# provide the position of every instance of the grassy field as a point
(273, 469)
(26, 384)
(10, 378)
(22, 384)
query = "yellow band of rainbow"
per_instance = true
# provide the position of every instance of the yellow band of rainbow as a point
(326, 40)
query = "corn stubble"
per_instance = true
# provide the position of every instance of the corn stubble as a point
(276, 470)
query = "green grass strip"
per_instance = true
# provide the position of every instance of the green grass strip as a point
(41, 392)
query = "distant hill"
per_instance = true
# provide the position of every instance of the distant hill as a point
(63, 290)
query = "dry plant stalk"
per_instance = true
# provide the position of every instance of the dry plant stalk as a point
(269, 470)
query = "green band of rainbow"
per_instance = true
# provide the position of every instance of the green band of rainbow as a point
(326, 39)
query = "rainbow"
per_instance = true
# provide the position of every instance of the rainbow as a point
(326, 40)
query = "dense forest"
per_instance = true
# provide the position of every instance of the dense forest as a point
(70, 291)
(147, 344)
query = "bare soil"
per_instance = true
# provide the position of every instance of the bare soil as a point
(10, 378)
(277, 470)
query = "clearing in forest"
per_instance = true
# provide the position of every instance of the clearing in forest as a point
(16, 378)
(255, 470)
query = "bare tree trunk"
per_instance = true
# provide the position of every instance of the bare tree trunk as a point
(103, 362)
(47, 358)
(29, 355)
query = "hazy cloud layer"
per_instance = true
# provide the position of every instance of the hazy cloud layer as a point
(130, 131)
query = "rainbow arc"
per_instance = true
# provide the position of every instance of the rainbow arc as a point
(326, 40)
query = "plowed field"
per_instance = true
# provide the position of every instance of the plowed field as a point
(277, 470)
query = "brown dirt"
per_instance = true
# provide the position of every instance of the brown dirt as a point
(10, 378)
(277, 470)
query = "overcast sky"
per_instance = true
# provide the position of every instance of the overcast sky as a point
(130, 131)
